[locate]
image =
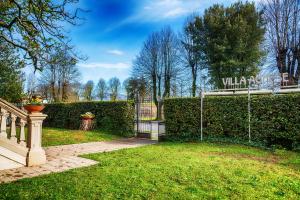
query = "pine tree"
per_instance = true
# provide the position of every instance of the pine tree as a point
(232, 39)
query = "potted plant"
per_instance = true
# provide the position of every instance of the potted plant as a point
(87, 121)
(34, 104)
(88, 116)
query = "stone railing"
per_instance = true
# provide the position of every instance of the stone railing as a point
(15, 142)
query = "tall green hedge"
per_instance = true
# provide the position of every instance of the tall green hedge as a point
(275, 119)
(115, 116)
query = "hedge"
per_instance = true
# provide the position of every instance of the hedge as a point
(115, 116)
(275, 119)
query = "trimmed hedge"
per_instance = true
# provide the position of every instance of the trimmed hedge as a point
(115, 116)
(275, 119)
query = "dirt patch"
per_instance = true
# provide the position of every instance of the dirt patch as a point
(270, 159)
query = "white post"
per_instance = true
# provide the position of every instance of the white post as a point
(249, 115)
(4, 115)
(13, 128)
(201, 119)
(36, 154)
(22, 132)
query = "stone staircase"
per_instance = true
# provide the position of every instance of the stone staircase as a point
(6, 163)
(17, 147)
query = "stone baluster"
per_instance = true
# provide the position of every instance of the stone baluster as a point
(13, 128)
(22, 132)
(4, 115)
(36, 154)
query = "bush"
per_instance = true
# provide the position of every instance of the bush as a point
(275, 120)
(114, 116)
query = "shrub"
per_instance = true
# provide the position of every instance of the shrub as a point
(275, 119)
(115, 116)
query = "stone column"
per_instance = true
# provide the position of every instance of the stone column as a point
(4, 114)
(36, 154)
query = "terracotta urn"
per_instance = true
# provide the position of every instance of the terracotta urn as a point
(34, 108)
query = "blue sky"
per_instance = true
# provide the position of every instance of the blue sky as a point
(114, 31)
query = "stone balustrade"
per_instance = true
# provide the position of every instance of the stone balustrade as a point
(16, 143)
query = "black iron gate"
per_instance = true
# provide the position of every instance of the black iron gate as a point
(146, 125)
(145, 113)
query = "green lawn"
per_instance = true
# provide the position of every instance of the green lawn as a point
(172, 171)
(56, 136)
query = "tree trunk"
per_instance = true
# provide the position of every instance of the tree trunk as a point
(64, 92)
(159, 110)
(53, 92)
(154, 93)
(194, 82)
(58, 91)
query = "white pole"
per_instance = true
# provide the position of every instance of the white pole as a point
(201, 101)
(249, 114)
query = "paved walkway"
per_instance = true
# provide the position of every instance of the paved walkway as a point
(62, 158)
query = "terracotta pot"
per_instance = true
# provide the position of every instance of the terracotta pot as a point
(34, 108)
(87, 118)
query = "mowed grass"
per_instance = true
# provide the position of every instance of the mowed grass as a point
(56, 136)
(172, 171)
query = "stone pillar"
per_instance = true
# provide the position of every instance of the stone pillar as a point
(36, 154)
(13, 131)
(4, 114)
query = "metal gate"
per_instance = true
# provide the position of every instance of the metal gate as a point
(145, 113)
(146, 125)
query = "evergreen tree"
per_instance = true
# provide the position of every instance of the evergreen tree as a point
(232, 39)
(11, 82)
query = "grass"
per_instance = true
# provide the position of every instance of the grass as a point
(172, 171)
(56, 136)
(60, 136)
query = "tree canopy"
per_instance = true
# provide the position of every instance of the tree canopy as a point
(35, 26)
(114, 85)
(11, 84)
(232, 40)
(282, 19)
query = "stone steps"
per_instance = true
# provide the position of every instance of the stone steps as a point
(6, 163)
(5, 152)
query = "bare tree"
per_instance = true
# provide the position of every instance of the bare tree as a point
(146, 65)
(31, 84)
(157, 63)
(283, 31)
(44, 90)
(192, 53)
(135, 86)
(114, 87)
(68, 74)
(169, 54)
(101, 89)
(60, 73)
(88, 90)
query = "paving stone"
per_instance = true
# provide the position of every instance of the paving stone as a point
(64, 157)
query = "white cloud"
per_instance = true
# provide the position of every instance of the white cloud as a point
(115, 52)
(158, 10)
(119, 65)
(176, 12)
(164, 9)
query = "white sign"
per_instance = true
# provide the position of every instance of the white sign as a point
(244, 82)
